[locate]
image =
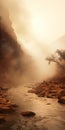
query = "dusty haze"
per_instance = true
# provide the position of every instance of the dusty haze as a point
(36, 25)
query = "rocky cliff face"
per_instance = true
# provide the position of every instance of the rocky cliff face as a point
(5, 22)
(16, 66)
(10, 50)
(10, 55)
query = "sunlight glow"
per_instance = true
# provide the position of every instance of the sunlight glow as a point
(37, 25)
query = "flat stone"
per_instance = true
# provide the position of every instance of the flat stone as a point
(28, 114)
(48, 104)
(14, 105)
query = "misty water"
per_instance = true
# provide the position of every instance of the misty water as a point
(50, 115)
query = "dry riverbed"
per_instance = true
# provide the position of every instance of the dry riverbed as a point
(7, 109)
(47, 113)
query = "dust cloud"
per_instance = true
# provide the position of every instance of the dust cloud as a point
(22, 57)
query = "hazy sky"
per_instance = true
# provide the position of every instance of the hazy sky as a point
(37, 24)
(43, 19)
(47, 18)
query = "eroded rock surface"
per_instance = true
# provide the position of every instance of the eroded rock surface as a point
(51, 89)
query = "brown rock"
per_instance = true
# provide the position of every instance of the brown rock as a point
(41, 94)
(61, 99)
(2, 120)
(62, 93)
(62, 86)
(13, 106)
(6, 110)
(28, 114)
